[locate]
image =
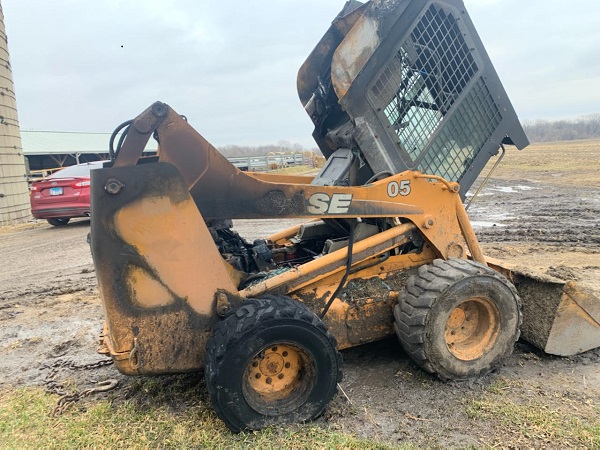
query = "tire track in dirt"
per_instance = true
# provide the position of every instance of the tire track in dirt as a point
(529, 212)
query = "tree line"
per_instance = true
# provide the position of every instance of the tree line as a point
(584, 127)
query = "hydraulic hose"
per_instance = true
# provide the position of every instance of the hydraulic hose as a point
(346, 273)
(111, 148)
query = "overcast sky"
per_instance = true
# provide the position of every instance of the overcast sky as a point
(230, 66)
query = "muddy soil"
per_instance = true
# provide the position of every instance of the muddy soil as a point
(50, 315)
(546, 228)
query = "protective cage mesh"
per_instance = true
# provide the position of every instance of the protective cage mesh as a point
(416, 91)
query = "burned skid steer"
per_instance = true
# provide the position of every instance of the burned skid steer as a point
(408, 109)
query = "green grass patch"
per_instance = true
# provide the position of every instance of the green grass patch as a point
(535, 423)
(26, 422)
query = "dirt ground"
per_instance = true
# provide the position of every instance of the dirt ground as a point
(50, 314)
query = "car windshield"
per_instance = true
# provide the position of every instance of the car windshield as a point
(80, 170)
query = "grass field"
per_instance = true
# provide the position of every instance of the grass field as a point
(574, 163)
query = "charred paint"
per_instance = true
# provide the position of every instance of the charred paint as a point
(276, 203)
(142, 294)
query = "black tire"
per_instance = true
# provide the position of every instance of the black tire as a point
(271, 361)
(458, 318)
(58, 221)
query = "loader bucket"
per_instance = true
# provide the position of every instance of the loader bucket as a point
(560, 317)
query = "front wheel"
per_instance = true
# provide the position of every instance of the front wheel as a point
(458, 318)
(271, 361)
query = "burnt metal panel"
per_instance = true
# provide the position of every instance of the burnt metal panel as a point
(158, 287)
(427, 98)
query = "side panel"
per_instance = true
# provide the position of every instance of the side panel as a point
(158, 269)
(364, 310)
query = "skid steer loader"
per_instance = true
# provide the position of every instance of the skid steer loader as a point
(408, 109)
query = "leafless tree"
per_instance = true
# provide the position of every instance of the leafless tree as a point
(584, 127)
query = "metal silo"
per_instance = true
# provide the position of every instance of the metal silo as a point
(14, 192)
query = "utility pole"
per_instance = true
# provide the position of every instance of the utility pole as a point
(14, 191)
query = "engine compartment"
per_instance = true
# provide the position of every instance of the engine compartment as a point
(263, 258)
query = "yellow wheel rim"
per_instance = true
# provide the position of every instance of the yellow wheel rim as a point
(276, 373)
(472, 328)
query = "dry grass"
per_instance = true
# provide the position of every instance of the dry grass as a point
(573, 163)
(540, 418)
(296, 170)
(28, 225)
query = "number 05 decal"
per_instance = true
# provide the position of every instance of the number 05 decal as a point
(395, 189)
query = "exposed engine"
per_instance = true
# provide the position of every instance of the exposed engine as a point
(262, 258)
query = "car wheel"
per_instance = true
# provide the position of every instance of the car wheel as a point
(58, 221)
(271, 361)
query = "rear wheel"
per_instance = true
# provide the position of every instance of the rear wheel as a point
(458, 318)
(271, 361)
(58, 221)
